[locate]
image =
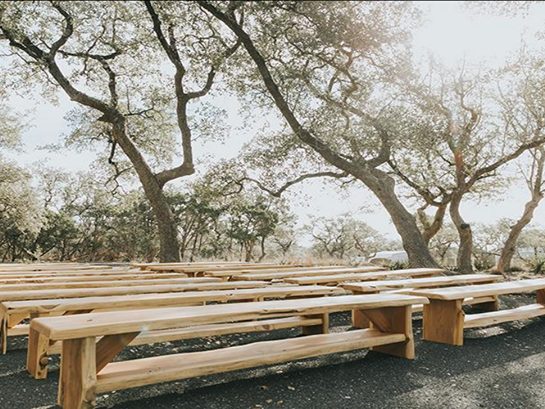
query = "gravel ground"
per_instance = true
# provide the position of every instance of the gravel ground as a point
(500, 367)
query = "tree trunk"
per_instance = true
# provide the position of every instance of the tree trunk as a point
(383, 186)
(465, 249)
(379, 182)
(168, 233)
(509, 248)
(263, 254)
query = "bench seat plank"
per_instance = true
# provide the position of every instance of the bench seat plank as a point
(211, 330)
(508, 287)
(202, 269)
(277, 275)
(340, 278)
(129, 374)
(487, 319)
(229, 273)
(40, 274)
(161, 300)
(108, 283)
(121, 290)
(119, 322)
(77, 278)
(427, 282)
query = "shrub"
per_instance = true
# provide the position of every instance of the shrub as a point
(537, 265)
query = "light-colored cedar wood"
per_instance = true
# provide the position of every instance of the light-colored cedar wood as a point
(109, 346)
(108, 283)
(202, 269)
(321, 328)
(487, 319)
(93, 273)
(234, 273)
(78, 379)
(52, 268)
(14, 319)
(44, 307)
(130, 374)
(394, 320)
(467, 301)
(21, 329)
(485, 306)
(508, 287)
(540, 296)
(428, 282)
(341, 278)
(480, 300)
(85, 305)
(145, 289)
(444, 322)
(4, 333)
(38, 345)
(210, 330)
(79, 278)
(119, 322)
(147, 266)
(278, 275)
(360, 320)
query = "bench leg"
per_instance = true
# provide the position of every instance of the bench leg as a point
(78, 378)
(36, 359)
(359, 319)
(4, 333)
(444, 322)
(395, 320)
(540, 296)
(323, 328)
(8, 321)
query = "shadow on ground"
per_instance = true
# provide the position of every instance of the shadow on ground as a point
(498, 371)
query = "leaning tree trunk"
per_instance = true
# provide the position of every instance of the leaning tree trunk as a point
(509, 248)
(168, 235)
(465, 249)
(383, 186)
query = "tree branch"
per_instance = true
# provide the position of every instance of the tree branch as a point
(278, 192)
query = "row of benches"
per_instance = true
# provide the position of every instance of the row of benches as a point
(381, 310)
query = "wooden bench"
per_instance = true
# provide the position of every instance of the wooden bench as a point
(50, 267)
(284, 269)
(374, 287)
(444, 319)
(146, 266)
(12, 313)
(76, 278)
(341, 278)
(200, 270)
(108, 283)
(38, 274)
(87, 367)
(121, 290)
(279, 275)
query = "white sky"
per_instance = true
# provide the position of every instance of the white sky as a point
(451, 32)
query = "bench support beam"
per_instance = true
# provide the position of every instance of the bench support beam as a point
(393, 320)
(322, 328)
(36, 360)
(444, 322)
(109, 346)
(78, 378)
